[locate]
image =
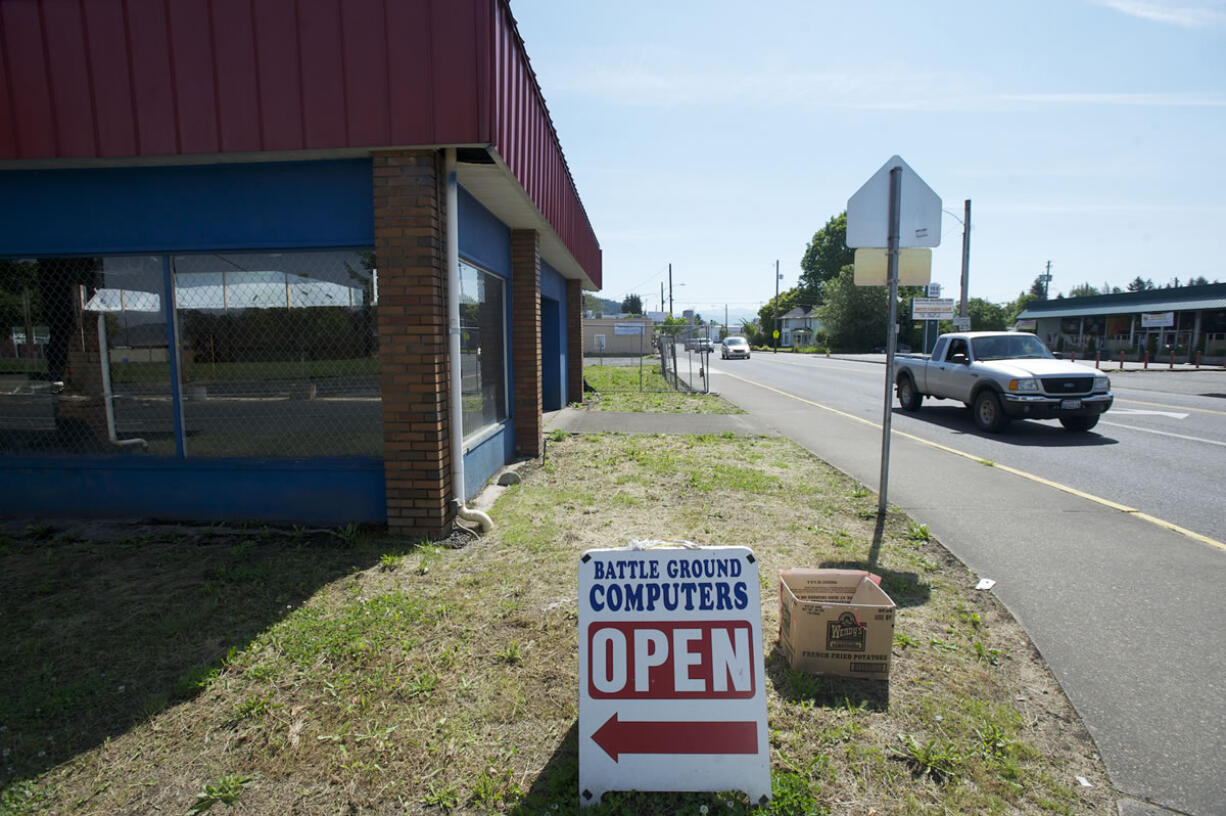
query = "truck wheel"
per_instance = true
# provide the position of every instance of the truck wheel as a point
(1079, 423)
(988, 414)
(908, 398)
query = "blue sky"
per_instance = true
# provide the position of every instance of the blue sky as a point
(719, 136)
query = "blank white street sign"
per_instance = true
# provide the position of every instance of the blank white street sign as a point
(868, 211)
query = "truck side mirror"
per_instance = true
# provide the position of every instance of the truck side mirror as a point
(959, 358)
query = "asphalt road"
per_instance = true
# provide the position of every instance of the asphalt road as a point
(1076, 530)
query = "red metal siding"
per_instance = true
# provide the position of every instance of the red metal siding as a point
(144, 78)
(525, 138)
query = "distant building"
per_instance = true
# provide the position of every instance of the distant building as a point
(617, 336)
(799, 327)
(1184, 321)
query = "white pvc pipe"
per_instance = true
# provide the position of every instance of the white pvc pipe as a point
(108, 397)
(451, 217)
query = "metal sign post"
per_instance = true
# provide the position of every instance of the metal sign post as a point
(891, 330)
(912, 219)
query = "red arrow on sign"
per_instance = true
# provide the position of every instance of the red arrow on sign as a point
(617, 737)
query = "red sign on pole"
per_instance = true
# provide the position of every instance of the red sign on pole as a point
(671, 693)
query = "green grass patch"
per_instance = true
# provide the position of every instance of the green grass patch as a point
(261, 670)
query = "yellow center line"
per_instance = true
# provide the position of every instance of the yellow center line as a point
(1172, 407)
(1123, 508)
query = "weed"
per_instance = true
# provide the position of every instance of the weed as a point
(940, 644)
(936, 758)
(442, 796)
(792, 794)
(905, 641)
(349, 535)
(557, 435)
(197, 678)
(986, 655)
(918, 532)
(227, 791)
(860, 492)
(513, 653)
(39, 531)
(422, 685)
(389, 561)
(251, 708)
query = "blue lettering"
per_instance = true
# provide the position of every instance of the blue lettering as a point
(634, 597)
(596, 596)
(723, 596)
(742, 595)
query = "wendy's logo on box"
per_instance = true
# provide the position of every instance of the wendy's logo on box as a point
(846, 634)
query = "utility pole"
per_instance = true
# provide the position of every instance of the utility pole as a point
(725, 320)
(670, 290)
(775, 310)
(661, 295)
(1046, 280)
(966, 259)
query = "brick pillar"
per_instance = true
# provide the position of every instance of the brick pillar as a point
(526, 340)
(411, 259)
(574, 341)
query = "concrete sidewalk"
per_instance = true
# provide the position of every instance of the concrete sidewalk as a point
(580, 420)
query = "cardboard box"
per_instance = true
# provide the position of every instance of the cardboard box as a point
(835, 621)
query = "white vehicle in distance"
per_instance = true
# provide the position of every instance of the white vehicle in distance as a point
(733, 348)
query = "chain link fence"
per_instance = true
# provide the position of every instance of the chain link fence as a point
(254, 355)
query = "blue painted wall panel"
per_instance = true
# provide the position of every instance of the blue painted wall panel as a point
(484, 239)
(306, 491)
(554, 347)
(187, 208)
(484, 460)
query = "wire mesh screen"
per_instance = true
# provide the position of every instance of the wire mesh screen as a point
(280, 354)
(275, 355)
(685, 356)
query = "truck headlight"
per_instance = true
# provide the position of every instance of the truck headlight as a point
(1026, 386)
(1102, 384)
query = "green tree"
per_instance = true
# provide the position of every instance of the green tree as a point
(593, 304)
(1083, 290)
(854, 317)
(632, 304)
(1037, 289)
(987, 316)
(1139, 284)
(824, 259)
(777, 307)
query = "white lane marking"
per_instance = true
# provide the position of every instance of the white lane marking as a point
(1138, 411)
(1165, 433)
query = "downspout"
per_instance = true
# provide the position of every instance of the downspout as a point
(452, 218)
(108, 395)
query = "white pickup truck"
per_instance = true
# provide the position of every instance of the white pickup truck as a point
(1002, 376)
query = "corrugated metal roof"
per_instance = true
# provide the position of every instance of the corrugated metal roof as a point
(1190, 298)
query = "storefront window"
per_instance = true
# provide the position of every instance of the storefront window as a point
(482, 349)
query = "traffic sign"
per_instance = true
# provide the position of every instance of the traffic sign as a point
(962, 323)
(672, 692)
(919, 211)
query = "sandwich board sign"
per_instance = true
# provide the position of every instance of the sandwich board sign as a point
(671, 674)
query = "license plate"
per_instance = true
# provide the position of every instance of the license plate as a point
(1070, 405)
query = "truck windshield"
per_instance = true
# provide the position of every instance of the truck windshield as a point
(1009, 347)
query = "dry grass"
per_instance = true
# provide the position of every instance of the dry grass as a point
(631, 388)
(370, 676)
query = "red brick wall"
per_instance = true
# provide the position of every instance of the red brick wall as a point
(574, 341)
(526, 340)
(410, 254)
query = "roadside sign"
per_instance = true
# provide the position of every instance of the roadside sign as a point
(627, 328)
(962, 323)
(914, 267)
(934, 290)
(1157, 320)
(672, 690)
(932, 309)
(919, 211)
